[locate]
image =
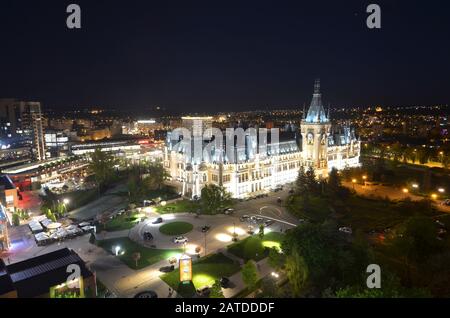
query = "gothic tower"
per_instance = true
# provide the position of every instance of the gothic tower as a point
(315, 129)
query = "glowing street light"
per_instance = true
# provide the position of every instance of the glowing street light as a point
(415, 186)
(405, 190)
(441, 190)
(353, 182)
(434, 196)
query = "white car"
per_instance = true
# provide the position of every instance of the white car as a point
(180, 239)
(345, 230)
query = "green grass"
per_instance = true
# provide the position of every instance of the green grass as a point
(78, 198)
(123, 222)
(317, 208)
(178, 207)
(176, 228)
(205, 272)
(149, 256)
(374, 214)
(254, 247)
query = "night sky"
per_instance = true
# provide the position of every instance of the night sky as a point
(216, 55)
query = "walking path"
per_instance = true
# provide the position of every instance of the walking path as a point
(236, 281)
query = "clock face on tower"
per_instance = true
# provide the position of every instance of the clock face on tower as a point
(310, 138)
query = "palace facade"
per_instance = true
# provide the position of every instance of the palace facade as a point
(254, 166)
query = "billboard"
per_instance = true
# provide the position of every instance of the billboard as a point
(185, 268)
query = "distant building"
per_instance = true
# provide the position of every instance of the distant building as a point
(46, 276)
(57, 143)
(246, 169)
(8, 194)
(197, 125)
(4, 236)
(21, 123)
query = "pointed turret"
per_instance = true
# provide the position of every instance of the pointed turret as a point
(316, 112)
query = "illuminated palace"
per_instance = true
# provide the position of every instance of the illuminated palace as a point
(246, 171)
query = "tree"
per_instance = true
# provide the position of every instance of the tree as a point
(156, 175)
(297, 273)
(269, 288)
(216, 290)
(334, 182)
(418, 239)
(249, 274)
(445, 161)
(213, 198)
(136, 257)
(102, 166)
(390, 288)
(311, 181)
(92, 239)
(261, 231)
(15, 219)
(276, 258)
(300, 182)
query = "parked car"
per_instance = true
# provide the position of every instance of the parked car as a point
(256, 219)
(180, 239)
(146, 294)
(205, 228)
(244, 218)
(228, 211)
(224, 282)
(158, 220)
(148, 236)
(268, 222)
(204, 291)
(167, 269)
(149, 202)
(346, 230)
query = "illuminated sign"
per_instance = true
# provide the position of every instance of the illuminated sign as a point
(185, 268)
(74, 289)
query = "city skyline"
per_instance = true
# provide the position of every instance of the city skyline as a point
(224, 56)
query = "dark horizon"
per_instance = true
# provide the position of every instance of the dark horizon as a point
(224, 56)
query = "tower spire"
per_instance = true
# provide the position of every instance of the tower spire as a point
(317, 86)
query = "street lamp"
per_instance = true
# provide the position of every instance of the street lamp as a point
(434, 196)
(415, 186)
(353, 182)
(405, 190)
(441, 190)
(364, 178)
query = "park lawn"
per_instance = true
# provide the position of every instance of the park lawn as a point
(255, 248)
(149, 256)
(317, 210)
(176, 228)
(178, 207)
(205, 272)
(123, 222)
(372, 214)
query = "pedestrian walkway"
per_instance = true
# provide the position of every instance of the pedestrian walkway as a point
(236, 281)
